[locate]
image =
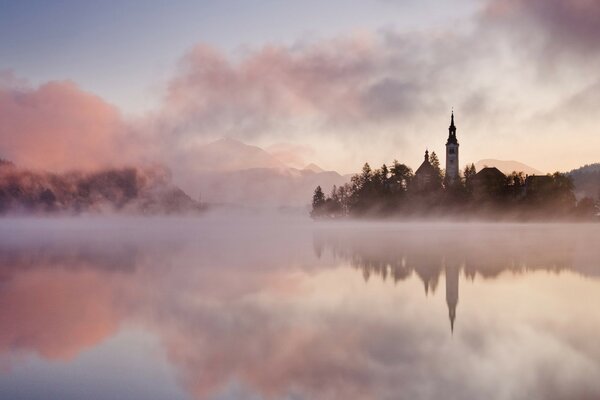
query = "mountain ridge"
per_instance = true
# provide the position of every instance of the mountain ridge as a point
(507, 166)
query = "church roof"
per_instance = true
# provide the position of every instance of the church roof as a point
(490, 172)
(426, 167)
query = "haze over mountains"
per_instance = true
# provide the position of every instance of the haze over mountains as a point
(229, 171)
(228, 154)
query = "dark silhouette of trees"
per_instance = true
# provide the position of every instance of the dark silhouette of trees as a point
(318, 203)
(401, 177)
(439, 174)
(586, 208)
(488, 193)
(129, 190)
(469, 174)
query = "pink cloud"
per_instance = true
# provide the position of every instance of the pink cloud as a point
(58, 126)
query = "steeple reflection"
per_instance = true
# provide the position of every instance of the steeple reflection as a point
(452, 272)
(430, 252)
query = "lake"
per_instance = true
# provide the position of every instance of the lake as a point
(280, 307)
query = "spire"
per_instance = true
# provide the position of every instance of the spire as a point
(427, 155)
(452, 130)
(452, 275)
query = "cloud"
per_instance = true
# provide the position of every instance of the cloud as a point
(328, 84)
(365, 97)
(58, 126)
(558, 27)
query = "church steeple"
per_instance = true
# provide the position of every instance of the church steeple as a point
(452, 175)
(452, 131)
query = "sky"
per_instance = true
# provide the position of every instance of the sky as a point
(85, 83)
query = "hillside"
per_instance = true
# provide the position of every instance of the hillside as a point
(587, 181)
(125, 190)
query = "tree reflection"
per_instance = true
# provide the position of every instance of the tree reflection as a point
(430, 251)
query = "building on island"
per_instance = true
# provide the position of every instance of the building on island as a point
(425, 176)
(489, 181)
(452, 154)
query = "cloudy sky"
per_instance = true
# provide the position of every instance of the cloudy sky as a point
(84, 84)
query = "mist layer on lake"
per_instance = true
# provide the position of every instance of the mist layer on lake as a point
(284, 308)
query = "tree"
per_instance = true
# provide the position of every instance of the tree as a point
(516, 183)
(401, 175)
(439, 175)
(318, 203)
(469, 173)
(562, 188)
(586, 208)
(381, 183)
(516, 179)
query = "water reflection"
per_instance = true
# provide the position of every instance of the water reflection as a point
(430, 250)
(246, 310)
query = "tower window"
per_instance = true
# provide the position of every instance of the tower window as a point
(451, 150)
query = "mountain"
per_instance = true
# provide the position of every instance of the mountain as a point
(264, 187)
(587, 181)
(507, 167)
(314, 168)
(230, 155)
(229, 171)
(291, 154)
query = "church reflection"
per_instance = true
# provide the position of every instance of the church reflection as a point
(433, 253)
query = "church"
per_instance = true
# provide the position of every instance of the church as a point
(426, 175)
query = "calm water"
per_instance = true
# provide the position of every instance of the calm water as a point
(282, 308)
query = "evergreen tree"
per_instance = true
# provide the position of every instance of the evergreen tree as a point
(439, 175)
(401, 175)
(318, 203)
(470, 172)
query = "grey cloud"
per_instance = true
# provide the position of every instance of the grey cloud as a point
(555, 27)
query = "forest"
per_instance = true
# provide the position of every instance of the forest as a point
(126, 190)
(392, 192)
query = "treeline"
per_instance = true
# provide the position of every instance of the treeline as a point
(126, 190)
(393, 191)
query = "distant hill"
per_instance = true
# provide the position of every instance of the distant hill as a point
(127, 190)
(587, 181)
(507, 167)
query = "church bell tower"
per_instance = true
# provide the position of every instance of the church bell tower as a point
(452, 154)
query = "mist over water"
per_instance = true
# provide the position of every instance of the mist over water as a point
(280, 307)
